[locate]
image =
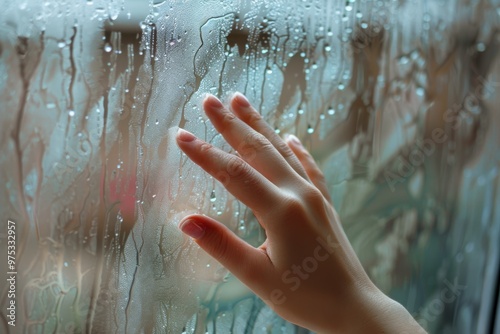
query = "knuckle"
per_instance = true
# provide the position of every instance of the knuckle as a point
(293, 207)
(253, 142)
(223, 177)
(285, 150)
(312, 196)
(226, 121)
(219, 246)
(205, 147)
(227, 117)
(236, 167)
(253, 118)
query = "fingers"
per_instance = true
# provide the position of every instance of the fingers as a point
(307, 161)
(247, 263)
(238, 177)
(252, 146)
(250, 116)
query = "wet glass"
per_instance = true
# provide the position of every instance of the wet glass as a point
(396, 101)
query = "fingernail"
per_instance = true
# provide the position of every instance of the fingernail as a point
(294, 140)
(241, 100)
(192, 228)
(213, 102)
(185, 136)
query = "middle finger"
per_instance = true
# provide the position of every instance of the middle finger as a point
(252, 146)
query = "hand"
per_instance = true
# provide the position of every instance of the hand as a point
(306, 270)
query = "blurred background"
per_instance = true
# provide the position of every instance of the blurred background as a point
(397, 100)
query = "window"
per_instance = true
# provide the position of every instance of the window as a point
(396, 100)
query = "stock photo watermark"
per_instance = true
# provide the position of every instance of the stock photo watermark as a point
(298, 273)
(453, 118)
(11, 272)
(436, 306)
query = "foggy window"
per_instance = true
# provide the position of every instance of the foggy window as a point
(397, 100)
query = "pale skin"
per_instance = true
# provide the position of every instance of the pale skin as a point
(306, 270)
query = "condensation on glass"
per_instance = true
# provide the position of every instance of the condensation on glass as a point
(396, 99)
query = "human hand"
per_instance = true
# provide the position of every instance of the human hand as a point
(306, 270)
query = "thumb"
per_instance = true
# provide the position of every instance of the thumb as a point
(247, 263)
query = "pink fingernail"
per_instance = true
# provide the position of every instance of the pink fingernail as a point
(241, 100)
(185, 136)
(294, 140)
(192, 228)
(213, 102)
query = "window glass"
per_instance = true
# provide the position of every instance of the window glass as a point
(397, 100)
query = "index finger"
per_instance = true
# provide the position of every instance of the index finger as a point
(237, 176)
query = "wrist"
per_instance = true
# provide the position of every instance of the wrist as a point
(371, 311)
(381, 314)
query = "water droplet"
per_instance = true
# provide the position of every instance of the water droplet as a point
(310, 129)
(404, 60)
(469, 247)
(328, 48)
(264, 51)
(51, 105)
(71, 113)
(108, 47)
(321, 116)
(277, 130)
(157, 122)
(331, 111)
(269, 70)
(300, 111)
(480, 47)
(61, 44)
(66, 264)
(213, 198)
